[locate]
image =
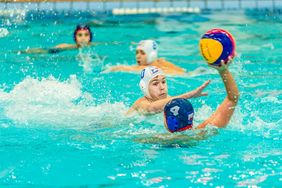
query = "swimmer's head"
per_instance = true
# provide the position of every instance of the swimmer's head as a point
(153, 83)
(146, 52)
(179, 114)
(82, 34)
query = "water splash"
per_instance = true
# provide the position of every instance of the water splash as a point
(46, 102)
(3, 32)
(89, 60)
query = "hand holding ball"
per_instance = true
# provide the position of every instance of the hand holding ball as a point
(217, 46)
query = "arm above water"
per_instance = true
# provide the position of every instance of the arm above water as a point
(221, 117)
(145, 107)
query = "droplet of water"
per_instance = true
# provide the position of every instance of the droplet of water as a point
(3, 32)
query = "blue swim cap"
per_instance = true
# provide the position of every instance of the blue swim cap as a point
(178, 115)
(82, 27)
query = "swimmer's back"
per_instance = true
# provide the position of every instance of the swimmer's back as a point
(167, 67)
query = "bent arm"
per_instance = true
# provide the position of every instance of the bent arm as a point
(223, 113)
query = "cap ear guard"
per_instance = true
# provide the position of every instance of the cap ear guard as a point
(150, 48)
(152, 57)
(171, 123)
(143, 87)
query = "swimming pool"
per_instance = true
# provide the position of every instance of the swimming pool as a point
(62, 122)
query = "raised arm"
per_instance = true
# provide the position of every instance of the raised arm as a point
(223, 113)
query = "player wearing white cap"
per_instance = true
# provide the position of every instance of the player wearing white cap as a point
(147, 55)
(154, 87)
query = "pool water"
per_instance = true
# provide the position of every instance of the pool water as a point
(62, 121)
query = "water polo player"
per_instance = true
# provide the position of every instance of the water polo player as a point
(154, 87)
(147, 55)
(82, 37)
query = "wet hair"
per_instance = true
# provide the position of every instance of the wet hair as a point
(82, 27)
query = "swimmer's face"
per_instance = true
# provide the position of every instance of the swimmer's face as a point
(158, 88)
(82, 37)
(141, 57)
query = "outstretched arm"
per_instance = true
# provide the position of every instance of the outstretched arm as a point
(146, 107)
(126, 68)
(34, 51)
(56, 49)
(223, 113)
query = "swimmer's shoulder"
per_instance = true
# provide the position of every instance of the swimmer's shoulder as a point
(139, 102)
(160, 61)
(128, 68)
(139, 105)
(168, 67)
(164, 63)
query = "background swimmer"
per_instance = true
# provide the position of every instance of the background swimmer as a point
(147, 55)
(82, 36)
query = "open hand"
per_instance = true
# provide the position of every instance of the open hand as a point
(198, 92)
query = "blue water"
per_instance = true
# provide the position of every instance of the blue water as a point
(62, 121)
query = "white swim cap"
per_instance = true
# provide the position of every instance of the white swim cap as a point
(150, 47)
(147, 75)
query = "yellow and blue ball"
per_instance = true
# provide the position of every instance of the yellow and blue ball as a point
(217, 45)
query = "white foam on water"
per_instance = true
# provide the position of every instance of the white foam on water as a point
(252, 182)
(48, 101)
(3, 32)
(45, 102)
